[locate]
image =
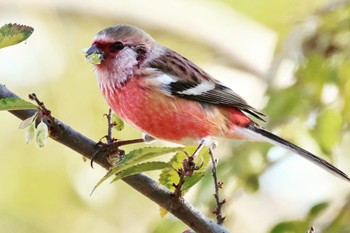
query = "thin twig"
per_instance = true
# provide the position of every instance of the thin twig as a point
(39, 103)
(110, 125)
(178, 187)
(44, 113)
(111, 140)
(218, 186)
(111, 148)
(188, 168)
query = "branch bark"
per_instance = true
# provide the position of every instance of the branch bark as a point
(148, 187)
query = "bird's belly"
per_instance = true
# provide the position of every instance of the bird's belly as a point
(165, 117)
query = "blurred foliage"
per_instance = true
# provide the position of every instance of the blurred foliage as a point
(54, 185)
(296, 226)
(286, 14)
(320, 96)
(169, 224)
(340, 222)
(325, 66)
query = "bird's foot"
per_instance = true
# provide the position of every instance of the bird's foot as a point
(189, 166)
(111, 151)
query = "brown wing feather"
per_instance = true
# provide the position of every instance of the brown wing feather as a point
(188, 75)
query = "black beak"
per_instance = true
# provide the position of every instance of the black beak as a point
(91, 50)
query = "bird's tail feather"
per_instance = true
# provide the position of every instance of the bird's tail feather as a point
(260, 134)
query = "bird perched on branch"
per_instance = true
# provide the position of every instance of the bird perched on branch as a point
(168, 97)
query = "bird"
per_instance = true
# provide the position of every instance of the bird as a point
(168, 97)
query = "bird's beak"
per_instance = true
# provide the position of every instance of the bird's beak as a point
(91, 50)
(93, 55)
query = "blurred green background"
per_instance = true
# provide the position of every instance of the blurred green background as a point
(290, 58)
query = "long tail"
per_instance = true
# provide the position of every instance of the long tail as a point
(255, 132)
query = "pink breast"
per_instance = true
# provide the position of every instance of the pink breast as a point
(168, 118)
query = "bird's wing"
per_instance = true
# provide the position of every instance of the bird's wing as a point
(176, 76)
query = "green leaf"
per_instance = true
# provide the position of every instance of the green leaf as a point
(11, 34)
(290, 227)
(142, 167)
(316, 210)
(339, 221)
(118, 122)
(285, 103)
(142, 154)
(134, 157)
(168, 177)
(327, 129)
(298, 225)
(14, 103)
(251, 183)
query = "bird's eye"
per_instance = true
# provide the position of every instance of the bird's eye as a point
(117, 46)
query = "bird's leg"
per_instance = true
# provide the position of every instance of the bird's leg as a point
(111, 150)
(147, 138)
(198, 149)
(189, 163)
(110, 125)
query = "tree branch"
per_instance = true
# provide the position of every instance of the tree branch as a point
(150, 188)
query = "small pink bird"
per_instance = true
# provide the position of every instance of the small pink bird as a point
(168, 97)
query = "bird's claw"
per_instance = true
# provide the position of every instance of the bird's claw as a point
(111, 152)
(189, 166)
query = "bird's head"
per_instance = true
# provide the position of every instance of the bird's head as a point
(118, 51)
